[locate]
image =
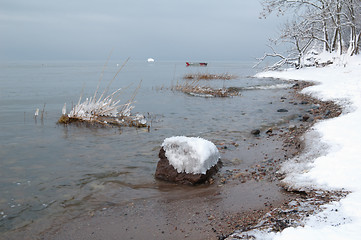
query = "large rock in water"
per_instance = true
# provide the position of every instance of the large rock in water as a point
(187, 160)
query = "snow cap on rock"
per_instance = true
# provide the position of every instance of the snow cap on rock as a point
(190, 154)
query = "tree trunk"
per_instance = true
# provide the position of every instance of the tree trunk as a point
(326, 46)
(356, 51)
(352, 46)
(353, 36)
(337, 37)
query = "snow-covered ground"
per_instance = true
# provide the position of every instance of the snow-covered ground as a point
(336, 143)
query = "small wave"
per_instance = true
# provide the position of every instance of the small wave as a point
(201, 95)
(269, 87)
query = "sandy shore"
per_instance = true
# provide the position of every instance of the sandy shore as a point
(246, 188)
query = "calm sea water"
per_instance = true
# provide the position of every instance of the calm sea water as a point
(49, 171)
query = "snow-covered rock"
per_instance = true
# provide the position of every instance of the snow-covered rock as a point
(190, 154)
(187, 160)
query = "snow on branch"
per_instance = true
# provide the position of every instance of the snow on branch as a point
(282, 60)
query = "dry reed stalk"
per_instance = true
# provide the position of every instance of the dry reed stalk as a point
(102, 74)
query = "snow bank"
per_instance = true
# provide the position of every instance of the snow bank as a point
(337, 166)
(190, 154)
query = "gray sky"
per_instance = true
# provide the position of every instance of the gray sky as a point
(161, 29)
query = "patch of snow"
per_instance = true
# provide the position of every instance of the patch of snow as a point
(140, 118)
(190, 154)
(150, 60)
(336, 166)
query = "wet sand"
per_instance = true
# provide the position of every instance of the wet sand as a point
(242, 192)
(201, 212)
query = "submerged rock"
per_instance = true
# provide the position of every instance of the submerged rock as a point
(296, 85)
(305, 118)
(292, 127)
(255, 132)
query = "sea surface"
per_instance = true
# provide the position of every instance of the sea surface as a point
(51, 172)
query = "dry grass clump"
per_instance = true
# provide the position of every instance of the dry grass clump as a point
(208, 76)
(196, 89)
(104, 110)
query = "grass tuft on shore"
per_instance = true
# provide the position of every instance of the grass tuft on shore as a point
(196, 88)
(208, 76)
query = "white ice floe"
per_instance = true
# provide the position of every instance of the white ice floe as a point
(190, 154)
(333, 157)
(150, 60)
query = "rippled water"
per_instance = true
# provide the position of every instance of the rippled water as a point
(49, 170)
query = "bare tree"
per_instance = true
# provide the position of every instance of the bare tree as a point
(317, 22)
(298, 36)
(353, 18)
(316, 12)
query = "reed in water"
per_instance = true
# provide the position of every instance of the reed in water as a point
(105, 109)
